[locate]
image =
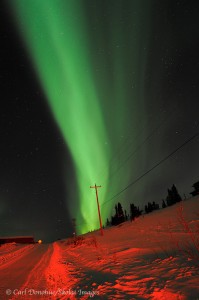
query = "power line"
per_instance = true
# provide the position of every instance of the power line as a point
(137, 149)
(155, 166)
(121, 151)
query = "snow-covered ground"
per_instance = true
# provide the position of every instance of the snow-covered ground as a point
(154, 257)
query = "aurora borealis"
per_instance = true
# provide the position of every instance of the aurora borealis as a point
(56, 36)
(61, 59)
(112, 74)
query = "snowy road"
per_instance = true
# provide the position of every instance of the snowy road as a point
(25, 271)
(156, 257)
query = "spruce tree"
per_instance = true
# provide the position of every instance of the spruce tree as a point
(120, 213)
(163, 204)
(176, 196)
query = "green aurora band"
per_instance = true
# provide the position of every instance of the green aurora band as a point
(95, 93)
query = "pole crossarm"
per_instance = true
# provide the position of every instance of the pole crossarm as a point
(95, 186)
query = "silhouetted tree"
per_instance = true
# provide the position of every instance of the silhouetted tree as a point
(125, 215)
(146, 209)
(116, 211)
(163, 204)
(119, 215)
(169, 198)
(120, 210)
(150, 207)
(173, 196)
(108, 223)
(113, 220)
(176, 196)
(155, 206)
(134, 212)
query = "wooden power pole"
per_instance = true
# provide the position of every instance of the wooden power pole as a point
(100, 220)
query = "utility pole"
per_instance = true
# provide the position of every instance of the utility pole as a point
(100, 220)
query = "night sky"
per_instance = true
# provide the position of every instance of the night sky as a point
(94, 91)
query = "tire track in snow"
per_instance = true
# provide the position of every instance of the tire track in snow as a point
(18, 272)
(16, 254)
(36, 284)
(58, 276)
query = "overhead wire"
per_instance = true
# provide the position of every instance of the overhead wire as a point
(152, 168)
(123, 148)
(147, 172)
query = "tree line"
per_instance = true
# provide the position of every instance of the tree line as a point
(121, 215)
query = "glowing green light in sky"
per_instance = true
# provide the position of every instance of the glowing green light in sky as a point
(54, 34)
(93, 114)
